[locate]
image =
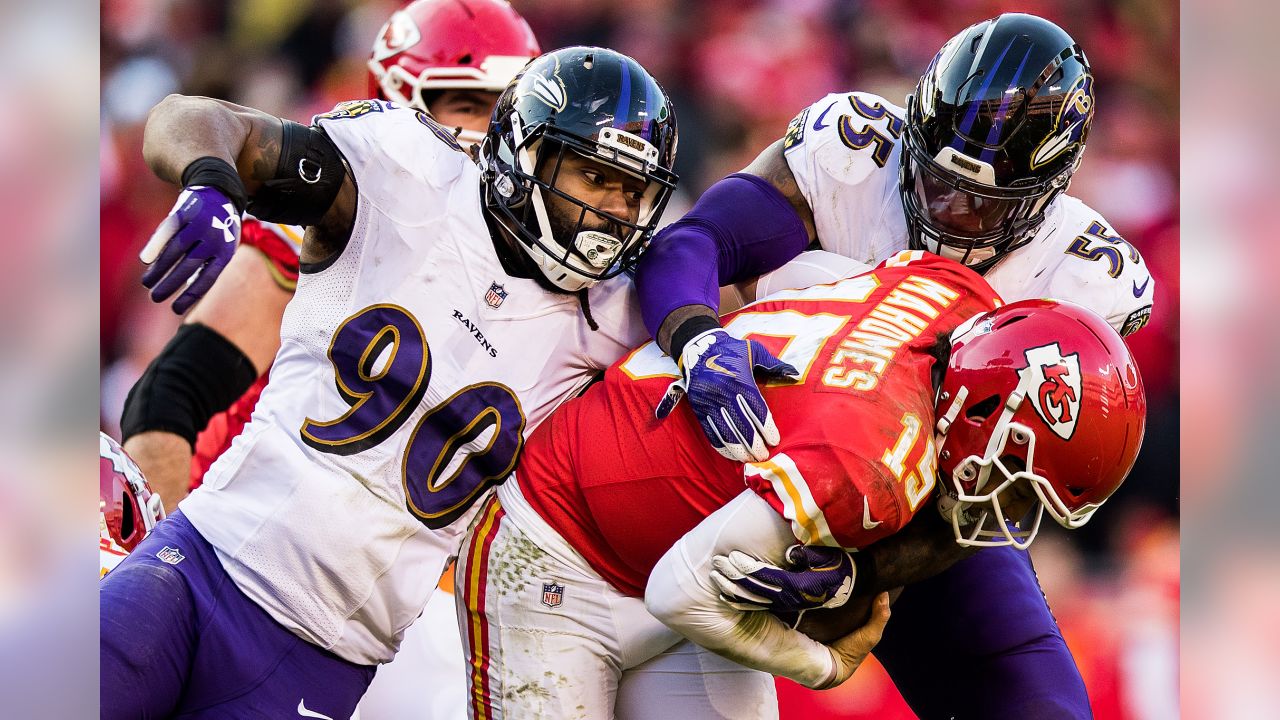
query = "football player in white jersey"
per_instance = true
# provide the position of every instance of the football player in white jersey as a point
(452, 59)
(448, 58)
(443, 309)
(974, 168)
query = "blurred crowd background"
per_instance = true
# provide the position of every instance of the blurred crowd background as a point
(738, 71)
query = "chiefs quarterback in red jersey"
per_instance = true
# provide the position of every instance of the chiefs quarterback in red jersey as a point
(612, 509)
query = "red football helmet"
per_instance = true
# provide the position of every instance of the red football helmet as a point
(1039, 391)
(128, 510)
(449, 45)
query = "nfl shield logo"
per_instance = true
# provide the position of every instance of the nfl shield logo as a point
(495, 295)
(552, 594)
(171, 555)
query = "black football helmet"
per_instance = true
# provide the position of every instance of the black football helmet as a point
(994, 130)
(604, 106)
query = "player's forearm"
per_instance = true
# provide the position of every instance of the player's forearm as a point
(917, 552)
(165, 460)
(680, 594)
(924, 548)
(757, 640)
(197, 375)
(182, 129)
(741, 227)
(677, 274)
(671, 341)
(245, 307)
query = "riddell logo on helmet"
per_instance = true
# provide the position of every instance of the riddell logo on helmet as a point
(1052, 383)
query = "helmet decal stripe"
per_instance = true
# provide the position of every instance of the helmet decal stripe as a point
(624, 96)
(997, 123)
(972, 114)
(650, 107)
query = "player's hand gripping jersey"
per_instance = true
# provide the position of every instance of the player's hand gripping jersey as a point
(844, 151)
(410, 368)
(857, 458)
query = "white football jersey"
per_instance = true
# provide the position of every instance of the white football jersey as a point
(410, 369)
(844, 152)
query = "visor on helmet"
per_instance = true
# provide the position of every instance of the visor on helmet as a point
(954, 208)
(961, 213)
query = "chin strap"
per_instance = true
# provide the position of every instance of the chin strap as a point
(585, 302)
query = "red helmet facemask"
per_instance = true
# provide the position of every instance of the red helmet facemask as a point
(434, 45)
(128, 508)
(1042, 393)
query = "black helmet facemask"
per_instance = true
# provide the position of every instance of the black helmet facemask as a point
(994, 131)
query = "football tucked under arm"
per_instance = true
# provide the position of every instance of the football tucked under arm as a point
(681, 595)
(922, 549)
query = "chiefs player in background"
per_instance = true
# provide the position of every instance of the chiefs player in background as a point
(1035, 404)
(450, 58)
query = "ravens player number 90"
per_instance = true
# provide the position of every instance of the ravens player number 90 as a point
(444, 306)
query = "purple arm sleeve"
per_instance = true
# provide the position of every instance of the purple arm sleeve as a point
(741, 227)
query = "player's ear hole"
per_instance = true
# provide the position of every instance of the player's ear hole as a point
(1011, 321)
(978, 412)
(127, 520)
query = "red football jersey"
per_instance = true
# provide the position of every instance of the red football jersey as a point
(856, 459)
(281, 244)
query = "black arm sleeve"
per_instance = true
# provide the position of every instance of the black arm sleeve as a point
(197, 375)
(307, 180)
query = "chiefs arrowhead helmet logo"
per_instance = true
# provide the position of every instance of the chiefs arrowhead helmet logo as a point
(399, 34)
(1052, 383)
(1055, 394)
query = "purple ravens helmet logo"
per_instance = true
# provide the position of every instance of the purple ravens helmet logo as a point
(1073, 122)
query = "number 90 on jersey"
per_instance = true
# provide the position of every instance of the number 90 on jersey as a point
(458, 448)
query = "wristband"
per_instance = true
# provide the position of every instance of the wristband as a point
(688, 330)
(217, 173)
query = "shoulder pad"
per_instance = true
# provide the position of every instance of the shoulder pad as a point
(352, 109)
(848, 135)
(1085, 234)
(1098, 268)
(390, 148)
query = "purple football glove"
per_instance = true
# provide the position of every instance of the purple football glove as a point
(817, 577)
(718, 377)
(191, 247)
